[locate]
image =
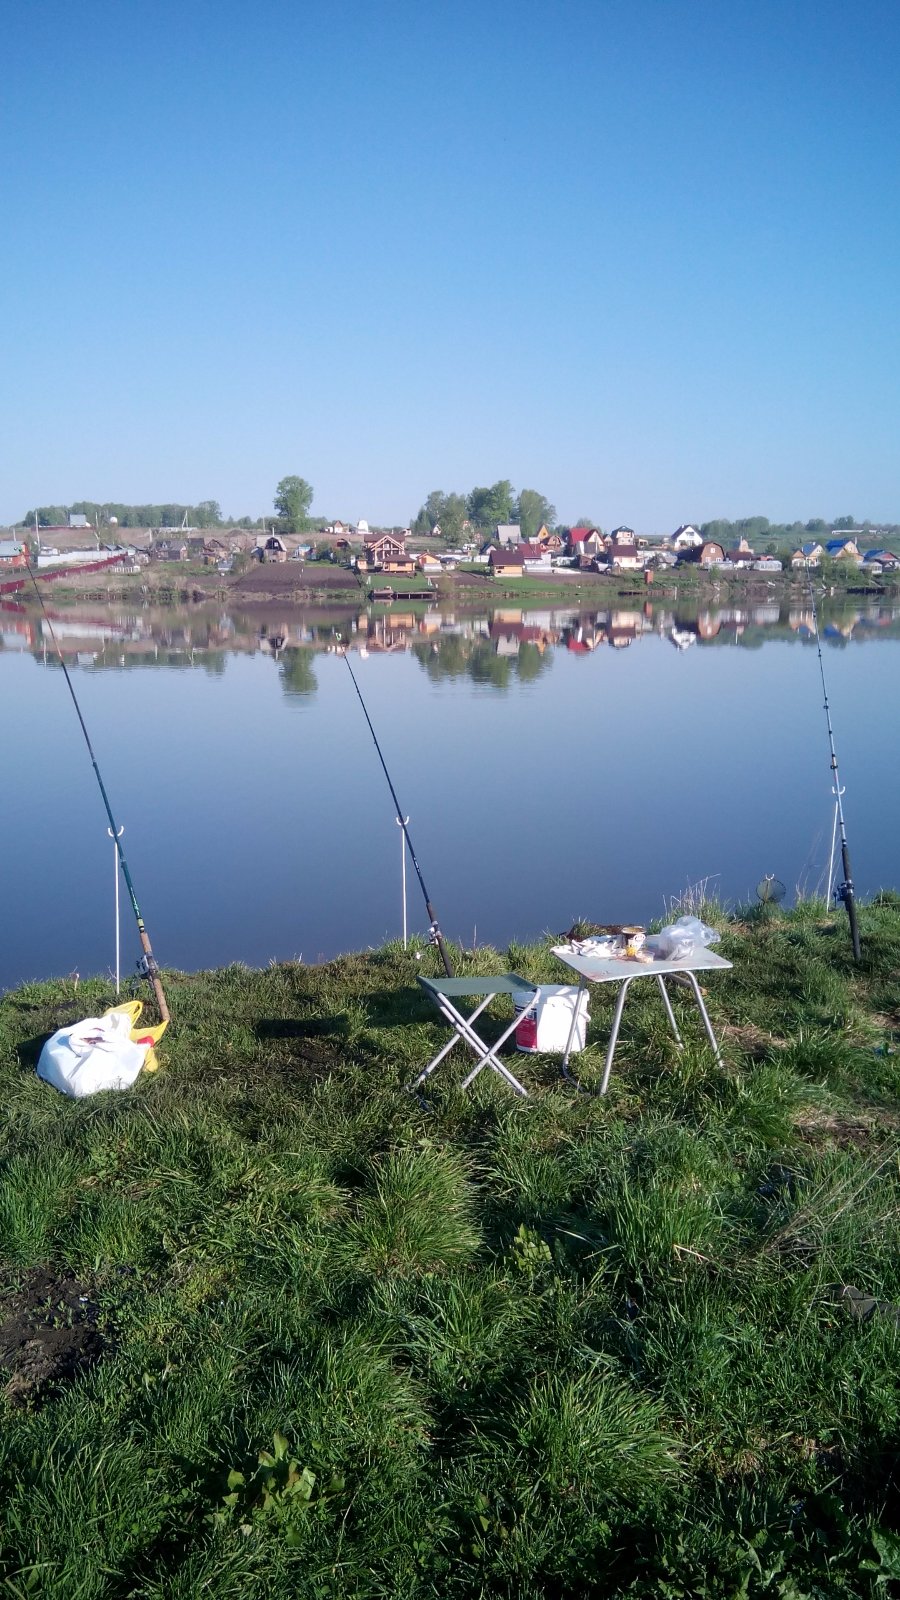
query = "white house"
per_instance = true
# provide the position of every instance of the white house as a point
(687, 537)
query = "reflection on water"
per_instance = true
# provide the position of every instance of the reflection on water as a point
(494, 647)
(555, 763)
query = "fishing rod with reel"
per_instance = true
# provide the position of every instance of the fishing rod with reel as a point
(843, 891)
(147, 965)
(435, 934)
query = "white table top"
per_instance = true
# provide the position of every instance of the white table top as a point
(611, 969)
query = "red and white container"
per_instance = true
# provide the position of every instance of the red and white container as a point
(544, 1027)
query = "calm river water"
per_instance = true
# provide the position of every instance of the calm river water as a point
(553, 766)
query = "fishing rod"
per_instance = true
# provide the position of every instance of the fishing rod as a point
(843, 891)
(147, 964)
(434, 930)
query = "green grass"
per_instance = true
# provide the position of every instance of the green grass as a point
(363, 1346)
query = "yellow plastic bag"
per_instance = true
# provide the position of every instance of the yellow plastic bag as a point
(151, 1036)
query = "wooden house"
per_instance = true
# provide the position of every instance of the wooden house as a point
(507, 562)
(380, 548)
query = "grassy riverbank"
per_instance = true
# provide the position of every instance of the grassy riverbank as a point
(569, 1346)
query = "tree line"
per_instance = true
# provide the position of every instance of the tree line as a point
(483, 508)
(208, 514)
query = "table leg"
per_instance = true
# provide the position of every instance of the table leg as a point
(614, 1034)
(705, 1015)
(668, 1005)
(564, 1069)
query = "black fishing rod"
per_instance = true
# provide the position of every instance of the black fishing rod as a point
(844, 891)
(148, 966)
(434, 930)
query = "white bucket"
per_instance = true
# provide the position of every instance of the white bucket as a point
(545, 1028)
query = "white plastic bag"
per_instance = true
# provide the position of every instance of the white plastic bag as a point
(681, 939)
(92, 1055)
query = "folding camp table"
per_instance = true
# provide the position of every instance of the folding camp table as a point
(446, 991)
(614, 969)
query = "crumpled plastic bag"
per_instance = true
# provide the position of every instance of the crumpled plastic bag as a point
(681, 939)
(100, 1053)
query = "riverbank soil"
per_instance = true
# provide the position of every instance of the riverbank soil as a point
(294, 1331)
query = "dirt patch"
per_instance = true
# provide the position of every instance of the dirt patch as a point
(48, 1334)
(756, 1042)
(820, 1127)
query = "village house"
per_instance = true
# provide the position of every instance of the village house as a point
(380, 549)
(272, 548)
(214, 551)
(587, 542)
(428, 563)
(687, 537)
(553, 542)
(708, 554)
(536, 557)
(880, 561)
(625, 557)
(623, 535)
(741, 555)
(507, 562)
(174, 549)
(12, 554)
(843, 549)
(809, 554)
(509, 533)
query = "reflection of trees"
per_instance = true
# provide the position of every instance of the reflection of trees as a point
(530, 663)
(297, 677)
(486, 667)
(443, 658)
(456, 657)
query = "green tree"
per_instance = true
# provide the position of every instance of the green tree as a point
(487, 507)
(446, 511)
(293, 498)
(531, 511)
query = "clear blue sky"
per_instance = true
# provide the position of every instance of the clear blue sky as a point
(641, 255)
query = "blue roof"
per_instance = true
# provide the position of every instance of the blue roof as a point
(879, 555)
(835, 545)
(807, 549)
